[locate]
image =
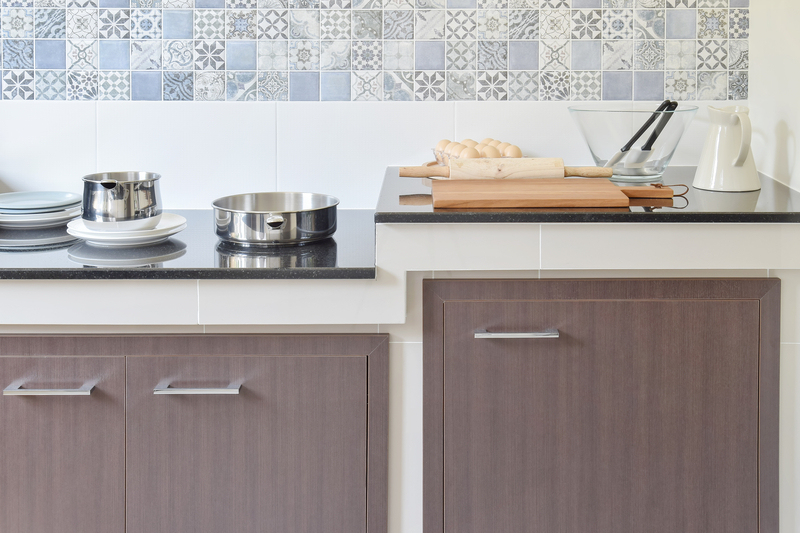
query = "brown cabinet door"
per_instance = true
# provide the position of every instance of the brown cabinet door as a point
(62, 466)
(641, 417)
(287, 454)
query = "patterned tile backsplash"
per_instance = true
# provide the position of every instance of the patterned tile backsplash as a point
(353, 50)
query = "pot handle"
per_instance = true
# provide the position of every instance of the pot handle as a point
(275, 221)
(747, 132)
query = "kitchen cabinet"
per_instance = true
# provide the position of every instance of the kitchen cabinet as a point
(211, 433)
(653, 408)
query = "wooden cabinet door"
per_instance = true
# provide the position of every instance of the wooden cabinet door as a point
(62, 466)
(641, 417)
(287, 454)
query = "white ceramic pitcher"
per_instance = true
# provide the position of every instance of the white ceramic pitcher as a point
(727, 163)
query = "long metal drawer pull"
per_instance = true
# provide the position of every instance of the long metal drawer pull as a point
(175, 390)
(86, 390)
(549, 333)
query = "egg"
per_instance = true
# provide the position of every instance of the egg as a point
(487, 140)
(502, 147)
(455, 150)
(441, 145)
(494, 143)
(490, 151)
(469, 142)
(479, 147)
(469, 153)
(512, 151)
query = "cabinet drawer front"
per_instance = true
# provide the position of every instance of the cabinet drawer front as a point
(639, 416)
(63, 456)
(287, 453)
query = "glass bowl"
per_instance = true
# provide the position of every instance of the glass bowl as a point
(606, 129)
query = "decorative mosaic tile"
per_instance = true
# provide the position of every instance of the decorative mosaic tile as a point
(17, 23)
(739, 55)
(587, 24)
(335, 24)
(367, 86)
(681, 55)
(50, 84)
(618, 24)
(712, 85)
(241, 24)
(303, 24)
(304, 4)
(554, 55)
(682, 3)
(649, 4)
(241, 4)
(649, 24)
(273, 86)
(617, 4)
(179, 4)
(523, 24)
(523, 85)
(712, 24)
(51, 23)
(146, 4)
(429, 24)
(241, 86)
(554, 85)
(712, 55)
(617, 55)
(146, 55)
(492, 4)
(366, 4)
(178, 55)
(648, 55)
(210, 24)
(738, 86)
(680, 85)
(368, 25)
(209, 55)
(430, 4)
(713, 3)
(82, 55)
(429, 86)
(461, 24)
(273, 24)
(82, 3)
(399, 24)
(82, 24)
(304, 55)
(523, 4)
(209, 86)
(44, 3)
(555, 24)
(492, 85)
(273, 55)
(398, 55)
(492, 55)
(114, 85)
(740, 23)
(273, 4)
(492, 25)
(460, 86)
(554, 4)
(18, 85)
(398, 86)
(461, 55)
(81, 85)
(115, 24)
(334, 55)
(587, 85)
(146, 24)
(367, 55)
(392, 4)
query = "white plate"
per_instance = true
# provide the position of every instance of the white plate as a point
(169, 225)
(37, 200)
(40, 220)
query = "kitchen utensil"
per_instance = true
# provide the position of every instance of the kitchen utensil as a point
(37, 201)
(558, 192)
(320, 254)
(39, 220)
(503, 168)
(275, 218)
(616, 158)
(121, 200)
(726, 162)
(86, 254)
(607, 126)
(637, 157)
(169, 225)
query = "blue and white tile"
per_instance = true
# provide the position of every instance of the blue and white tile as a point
(367, 55)
(303, 55)
(146, 24)
(50, 23)
(115, 24)
(334, 4)
(273, 4)
(461, 55)
(389, 4)
(366, 86)
(178, 4)
(723, 4)
(82, 3)
(649, 55)
(273, 86)
(618, 24)
(18, 85)
(492, 24)
(492, 4)
(712, 55)
(367, 4)
(335, 86)
(82, 54)
(146, 4)
(712, 23)
(241, 24)
(587, 85)
(738, 85)
(681, 55)
(241, 86)
(429, 24)
(555, 24)
(273, 55)
(241, 4)
(649, 24)
(304, 4)
(523, 24)
(680, 85)
(44, 3)
(398, 55)
(81, 85)
(712, 85)
(334, 55)
(523, 4)
(431, 4)
(335, 24)
(114, 85)
(554, 55)
(492, 85)
(146, 55)
(50, 84)
(398, 86)
(429, 86)
(209, 86)
(739, 55)
(303, 24)
(209, 24)
(650, 4)
(739, 24)
(461, 24)
(17, 23)
(367, 25)
(178, 55)
(554, 85)
(461, 86)
(399, 24)
(554, 4)
(617, 4)
(691, 4)
(587, 24)
(492, 55)
(209, 55)
(82, 24)
(523, 86)
(617, 55)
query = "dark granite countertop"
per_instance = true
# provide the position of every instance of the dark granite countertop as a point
(196, 253)
(775, 203)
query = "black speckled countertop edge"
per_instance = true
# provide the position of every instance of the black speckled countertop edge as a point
(187, 273)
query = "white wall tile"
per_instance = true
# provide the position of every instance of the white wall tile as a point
(789, 444)
(203, 150)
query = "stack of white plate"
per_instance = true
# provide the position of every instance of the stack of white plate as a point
(169, 225)
(38, 209)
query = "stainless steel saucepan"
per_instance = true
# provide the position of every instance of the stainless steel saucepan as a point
(275, 218)
(121, 200)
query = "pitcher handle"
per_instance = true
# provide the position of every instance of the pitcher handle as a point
(747, 132)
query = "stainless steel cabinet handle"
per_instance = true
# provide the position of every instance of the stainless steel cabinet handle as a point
(549, 333)
(175, 390)
(11, 390)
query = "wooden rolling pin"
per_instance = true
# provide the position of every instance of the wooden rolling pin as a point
(504, 168)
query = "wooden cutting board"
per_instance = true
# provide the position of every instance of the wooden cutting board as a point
(542, 192)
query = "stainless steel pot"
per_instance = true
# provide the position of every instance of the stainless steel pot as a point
(129, 200)
(275, 218)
